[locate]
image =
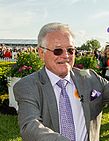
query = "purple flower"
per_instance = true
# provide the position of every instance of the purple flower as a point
(80, 66)
(29, 67)
(20, 70)
(24, 68)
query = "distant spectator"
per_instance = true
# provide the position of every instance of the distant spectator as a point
(1, 53)
(7, 53)
(104, 63)
(96, 53)
(14, 54)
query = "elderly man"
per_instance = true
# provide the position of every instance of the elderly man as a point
(60, 102)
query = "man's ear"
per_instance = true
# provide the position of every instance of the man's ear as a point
(41, 53)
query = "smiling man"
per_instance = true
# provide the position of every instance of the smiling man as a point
(59, 103)
(59, 52)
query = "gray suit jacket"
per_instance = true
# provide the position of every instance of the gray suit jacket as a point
(38, 114)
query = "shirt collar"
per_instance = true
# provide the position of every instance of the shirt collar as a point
(54, 78)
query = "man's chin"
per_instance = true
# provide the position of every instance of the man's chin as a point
(63, 74)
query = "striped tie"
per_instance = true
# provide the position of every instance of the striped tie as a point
(66, 117)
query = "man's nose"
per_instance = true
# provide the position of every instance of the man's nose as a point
(65, 53)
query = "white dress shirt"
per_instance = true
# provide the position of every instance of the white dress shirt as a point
(77, 110)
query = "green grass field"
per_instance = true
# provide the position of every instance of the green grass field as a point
(104, 135)
(9, 129)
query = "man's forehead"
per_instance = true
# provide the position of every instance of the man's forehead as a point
(58, 32)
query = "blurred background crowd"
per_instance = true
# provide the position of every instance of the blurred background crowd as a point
(7, 53)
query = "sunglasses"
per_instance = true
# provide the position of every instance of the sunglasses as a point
(59, 51)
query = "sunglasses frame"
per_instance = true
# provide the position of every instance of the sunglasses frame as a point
(55, 52)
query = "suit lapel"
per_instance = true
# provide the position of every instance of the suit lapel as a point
(51, 99)
(82, 87)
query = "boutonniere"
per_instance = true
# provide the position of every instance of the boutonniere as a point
(85, 72)
(77, 95)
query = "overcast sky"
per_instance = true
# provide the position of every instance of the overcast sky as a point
(22, 19)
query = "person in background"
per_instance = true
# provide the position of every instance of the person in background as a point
(60, 102)
(104, 63)
(96, 53)
(1, 53)
(14, 53)
(7, 53)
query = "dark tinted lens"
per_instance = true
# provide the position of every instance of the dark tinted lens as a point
(70, 50)
(58, 51)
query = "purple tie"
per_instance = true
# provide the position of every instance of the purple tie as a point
(66, 116)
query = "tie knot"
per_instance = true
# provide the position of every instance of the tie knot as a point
(62, 83)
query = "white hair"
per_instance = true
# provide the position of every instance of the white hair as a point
(51, 27)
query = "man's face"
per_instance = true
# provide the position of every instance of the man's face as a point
(62, 64)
